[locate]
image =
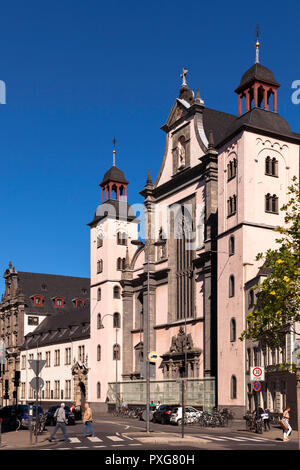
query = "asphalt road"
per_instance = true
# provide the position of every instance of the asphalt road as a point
(109, 436)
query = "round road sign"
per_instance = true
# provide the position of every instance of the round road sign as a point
(257, 372)
(256, 386)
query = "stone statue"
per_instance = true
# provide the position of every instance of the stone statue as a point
(180, 154)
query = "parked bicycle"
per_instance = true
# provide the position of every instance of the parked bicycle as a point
(253, 424)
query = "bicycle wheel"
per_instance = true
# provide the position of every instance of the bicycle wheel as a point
(18, 424)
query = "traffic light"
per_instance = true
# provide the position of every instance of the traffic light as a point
(17, 378)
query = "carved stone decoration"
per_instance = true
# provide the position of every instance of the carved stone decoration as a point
(174, 359)
(181, 153)
(80, 374)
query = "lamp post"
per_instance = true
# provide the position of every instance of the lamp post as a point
(101, 326)
(147, 245)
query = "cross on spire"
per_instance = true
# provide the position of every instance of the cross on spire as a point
(183, 76)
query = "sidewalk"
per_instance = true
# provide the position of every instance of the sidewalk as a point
(21, 440)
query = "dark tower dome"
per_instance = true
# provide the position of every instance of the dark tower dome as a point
(258, 72)
(114, 174)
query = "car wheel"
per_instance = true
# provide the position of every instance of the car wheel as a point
(179, 422)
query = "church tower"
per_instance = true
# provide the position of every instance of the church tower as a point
(112, 229)
(257, 159)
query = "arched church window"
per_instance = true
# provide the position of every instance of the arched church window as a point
(231, 286)
(99, 321)
(99, 293)
(98, 390)
(232, 330)
(231, 246)
(117, 292)
(98, 352)
(116, 320)
(116, 352)
(233, 387)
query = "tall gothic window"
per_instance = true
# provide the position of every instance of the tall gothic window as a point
(184, 267)
(233, 387)
(231, 286)
(232, 330)
(271, 166)
(231, 246)
(271, 203)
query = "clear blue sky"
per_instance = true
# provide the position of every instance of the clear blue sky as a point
(79, 73)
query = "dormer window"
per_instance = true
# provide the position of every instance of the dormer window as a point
(78, 302)
(38, 300)
(59, 302)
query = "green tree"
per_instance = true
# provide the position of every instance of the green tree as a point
(277, 307)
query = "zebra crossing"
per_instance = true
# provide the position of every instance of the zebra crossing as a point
(243, 440)
(95, 442)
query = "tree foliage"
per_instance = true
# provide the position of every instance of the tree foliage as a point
(277, 305)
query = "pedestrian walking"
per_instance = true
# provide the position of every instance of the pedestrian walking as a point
(61, 421)
(287, 429)
(266, 418)
(87, 420)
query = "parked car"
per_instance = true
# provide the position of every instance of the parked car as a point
(51, 420)
(190, 411)
(162, 414)
(17, 416)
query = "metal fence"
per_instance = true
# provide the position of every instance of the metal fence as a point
(198, 392)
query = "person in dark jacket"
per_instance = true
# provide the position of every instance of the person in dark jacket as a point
(61, 421)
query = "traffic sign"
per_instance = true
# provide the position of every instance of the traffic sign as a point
(257, 373)
(153, 356)
(36, 383)
(256, 386)
(37, 365)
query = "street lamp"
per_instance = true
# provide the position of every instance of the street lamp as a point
(147, 245)
(101, 326)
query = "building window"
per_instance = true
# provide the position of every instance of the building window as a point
(98, 352)
(23, 390)
(33, 321)
(31, 356)
(251, 298)
(271, 203)
(98, 390)
(81, 353)
(256, 356)
(231, 205)
(120, 264)
(99, 293)
(79, 303)
(99, 322)
(59, 302)
(231, 246)
(116, 320)
(121, 238)
(23, 362)
(116, 352)
(231, 286)
(99, 242)
(248, 360)
(232, 330)
(56, 389)
(99, 266)
(38, 301)
(39, 356)
(117, 292)
(231, 169)
(233, 387)
(184, 234)
(56, 357)
(271, 166)
(67, 356)
(47, 389)
(48, 359)
(68, 389)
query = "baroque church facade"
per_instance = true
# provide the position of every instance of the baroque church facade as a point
(213, 206)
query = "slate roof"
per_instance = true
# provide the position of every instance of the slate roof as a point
(258, 72)
(224, 125)
(50, 286)
(55, 328)
(120, 209)
(114, 174)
